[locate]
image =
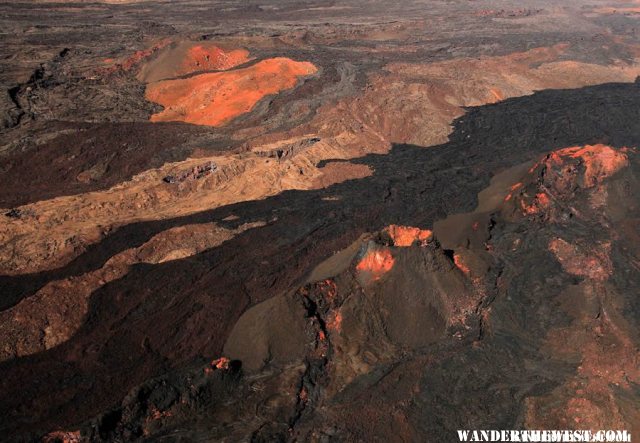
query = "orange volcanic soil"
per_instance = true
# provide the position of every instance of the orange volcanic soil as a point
(600, 161)
(182, 58)
(334, 323)
(404, 236)
(460, 264)
(215, 99)
(540, 202)
(577, 166)
(202, 58)
(377, 262)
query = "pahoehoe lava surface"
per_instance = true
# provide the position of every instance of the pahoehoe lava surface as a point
(417, 234)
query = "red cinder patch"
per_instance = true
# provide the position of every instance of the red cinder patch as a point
(221, 363)
(376, 262)
(329, 288)
(334, 323)
(404, 236)
(540, 202)
(600, 161)
(214, 99)
(201, 58)
(460, 264)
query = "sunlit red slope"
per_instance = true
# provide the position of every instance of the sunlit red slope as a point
(215, 99)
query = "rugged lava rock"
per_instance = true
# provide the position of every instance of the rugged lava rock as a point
(307, 221)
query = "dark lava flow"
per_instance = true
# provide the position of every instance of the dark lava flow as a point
(116, 151)
(160, 317)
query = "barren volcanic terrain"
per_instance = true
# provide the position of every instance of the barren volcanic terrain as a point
(305, 220)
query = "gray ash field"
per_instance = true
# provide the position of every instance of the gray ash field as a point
(318, 221)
